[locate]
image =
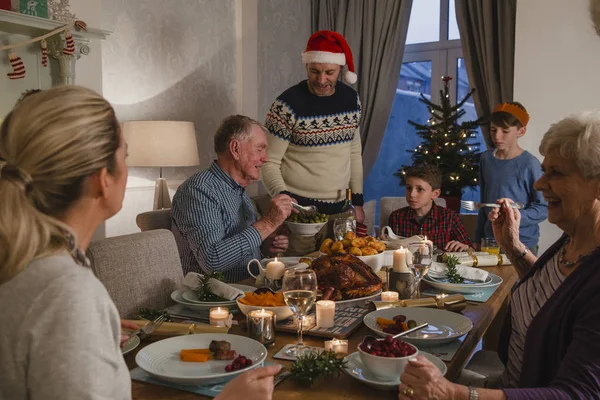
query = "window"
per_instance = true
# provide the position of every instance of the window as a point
(433, 50)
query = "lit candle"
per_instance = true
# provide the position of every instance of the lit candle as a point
(261, 326)
(325, 313)
(389, 296)
(336, 345)
(218, 316)
(308, 321)
(400, 260)
(275, 269)
(426, 246)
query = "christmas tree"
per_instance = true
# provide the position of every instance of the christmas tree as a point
(448, 143)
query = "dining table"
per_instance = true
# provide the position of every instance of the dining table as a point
(483, 315)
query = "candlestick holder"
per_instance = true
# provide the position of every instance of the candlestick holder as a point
(402, 282)
(273, 284)
(261, 326)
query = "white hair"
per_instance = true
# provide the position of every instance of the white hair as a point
(576, 138)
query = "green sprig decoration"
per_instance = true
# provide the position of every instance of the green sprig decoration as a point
(203, 291)
(453, 276)
(311, 366)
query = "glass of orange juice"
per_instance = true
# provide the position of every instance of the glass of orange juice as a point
(490, 245)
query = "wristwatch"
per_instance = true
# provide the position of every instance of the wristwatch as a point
(473, 395)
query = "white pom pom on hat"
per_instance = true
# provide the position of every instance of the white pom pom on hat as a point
(330, 47)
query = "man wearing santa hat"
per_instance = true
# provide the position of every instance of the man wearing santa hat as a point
(314, 145)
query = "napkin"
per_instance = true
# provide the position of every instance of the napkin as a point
(440, 270)
(216, 286)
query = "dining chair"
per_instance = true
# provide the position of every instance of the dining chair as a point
(138, 270)
(387, 205)
(157, 219)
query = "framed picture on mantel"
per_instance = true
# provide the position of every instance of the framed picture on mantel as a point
(35, 8)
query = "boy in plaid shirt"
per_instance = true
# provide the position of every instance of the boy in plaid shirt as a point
(424, 217)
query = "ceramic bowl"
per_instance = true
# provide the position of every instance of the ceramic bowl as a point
(385, 368)
(303, 229)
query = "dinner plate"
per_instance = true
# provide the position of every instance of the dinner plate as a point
(177, 296)
(444, 326)
(356, 369)
(461, 287)
(131, 344)
(487, 281)
(161, 359)
(356, 302)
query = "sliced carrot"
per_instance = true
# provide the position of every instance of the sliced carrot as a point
(198, 351)
(195, 357)
(385, 322)
(404, 326)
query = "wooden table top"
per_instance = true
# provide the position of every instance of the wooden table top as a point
(345, 387)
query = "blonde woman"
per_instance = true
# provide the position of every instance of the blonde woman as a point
(63, 172)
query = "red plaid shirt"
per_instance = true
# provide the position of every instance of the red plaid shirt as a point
(440, 225)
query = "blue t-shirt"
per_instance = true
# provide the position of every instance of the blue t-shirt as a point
(512, 179)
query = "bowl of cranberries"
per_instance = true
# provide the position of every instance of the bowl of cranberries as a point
(386, 358)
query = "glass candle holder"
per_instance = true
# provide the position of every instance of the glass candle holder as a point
(337, 345)
(261, 326)
(218, 316)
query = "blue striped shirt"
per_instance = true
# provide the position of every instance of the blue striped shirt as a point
(212, 223)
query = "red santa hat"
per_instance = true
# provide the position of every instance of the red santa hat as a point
(328, 47)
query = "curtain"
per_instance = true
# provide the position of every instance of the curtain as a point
(487, 35)
(376, 32)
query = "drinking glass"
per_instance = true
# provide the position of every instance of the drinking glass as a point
(420, 262)
(341, 226)
(490, 245)
(299, 293)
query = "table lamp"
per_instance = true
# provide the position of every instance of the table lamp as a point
(161, 144)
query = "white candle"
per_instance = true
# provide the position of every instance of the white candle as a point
(218, 316)
(425, 246)
(325, 313)
(308, 321)
(275, 269)
(400, 260)
(338, 346)
(389, 296)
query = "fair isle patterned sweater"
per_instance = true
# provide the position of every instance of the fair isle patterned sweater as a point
(314, 147)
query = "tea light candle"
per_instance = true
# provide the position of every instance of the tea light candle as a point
(399, 264)
(426, 246)
(308, 321)
(275, 269)
(338, 346)
(389, 296)
(218, 316)
(261, 326)
(325, 313)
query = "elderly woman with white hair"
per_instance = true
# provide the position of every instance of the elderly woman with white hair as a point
(550, 344)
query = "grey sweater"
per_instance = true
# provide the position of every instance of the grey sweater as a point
(60, 335)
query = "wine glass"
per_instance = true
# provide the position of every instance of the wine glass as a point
(420, 262)
(299, 293)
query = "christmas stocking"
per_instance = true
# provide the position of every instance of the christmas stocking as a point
(17, 65)
(69, 48)
(44, 46)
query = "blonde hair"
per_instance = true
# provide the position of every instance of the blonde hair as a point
(576, 138)
(49, 144)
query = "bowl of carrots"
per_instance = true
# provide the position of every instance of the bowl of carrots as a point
(265, 301)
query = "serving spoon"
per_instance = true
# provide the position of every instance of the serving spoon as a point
(308, 210)
(406, 332)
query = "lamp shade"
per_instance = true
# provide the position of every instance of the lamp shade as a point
(161, 143)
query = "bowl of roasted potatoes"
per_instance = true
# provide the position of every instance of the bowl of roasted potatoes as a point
(368, 249)
(306, 225)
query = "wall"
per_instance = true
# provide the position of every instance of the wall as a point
(557, 52)
(172, 60)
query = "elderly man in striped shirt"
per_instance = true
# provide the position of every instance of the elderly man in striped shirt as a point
(214, 221)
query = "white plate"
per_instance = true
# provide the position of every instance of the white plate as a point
(356, 370)
(444, 326)
(161, 359)
(192, 297)
(463, 288)
(356, 302)
(177, 296)
(487, 281)
(131, 344)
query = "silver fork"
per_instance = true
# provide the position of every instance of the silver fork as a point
(473, 205)
(149, 328)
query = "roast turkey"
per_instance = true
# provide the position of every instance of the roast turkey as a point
(344, 276)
